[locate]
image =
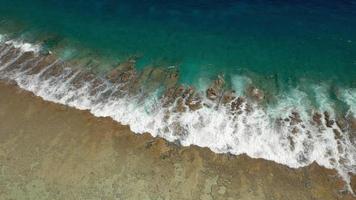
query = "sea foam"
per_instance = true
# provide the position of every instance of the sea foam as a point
(263, 132)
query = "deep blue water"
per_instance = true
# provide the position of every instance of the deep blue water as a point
(278, 44)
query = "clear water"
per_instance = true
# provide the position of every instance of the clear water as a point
(302, 54)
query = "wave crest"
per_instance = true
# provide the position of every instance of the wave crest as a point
(153, 101)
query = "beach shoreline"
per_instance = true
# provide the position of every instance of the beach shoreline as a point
(53, 151)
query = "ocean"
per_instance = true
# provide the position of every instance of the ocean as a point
(271, 79)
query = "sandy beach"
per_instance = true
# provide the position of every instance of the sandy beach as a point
(51, 151)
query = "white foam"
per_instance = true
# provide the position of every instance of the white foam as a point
(256, 134)
(24, 46)
(321, 95)
(349, 97)
(294, 100)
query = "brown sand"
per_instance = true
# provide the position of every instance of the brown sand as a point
(50, 151)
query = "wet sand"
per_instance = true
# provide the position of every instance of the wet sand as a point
(51, 151)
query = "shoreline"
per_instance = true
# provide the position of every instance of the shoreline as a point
(289, 134)
(66, 153)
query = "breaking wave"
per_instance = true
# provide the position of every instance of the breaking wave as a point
(291, 131)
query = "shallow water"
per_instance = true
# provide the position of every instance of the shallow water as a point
(302, 55)
(283, 39)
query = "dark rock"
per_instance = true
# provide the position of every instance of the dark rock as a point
(248, 108)
(187, 92)
(329, 122)
(179, 91)
(216, 89)
(171, 94)
(317, 118)
(180, 106)
(126, 76)
(193, 101)
(337, 134)
(342, 124)
(123, 73)
(228, 97)
(168, 96)
(295, 118)
(194, 105)
(295, 130)
(237, 103)
(211, 93)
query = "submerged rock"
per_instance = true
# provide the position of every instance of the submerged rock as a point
(171, 79)
(123, 73)
(192, 99)
(353, 130)
(255, 93)
(211, 94)
(337, 134)
(82, 78)
(295, 118)
(17, 63)
(194, 104)
(329, 122)
(228, 97)
(168, 96)
(342, 124)
(56, 70)
(317, 118)
(180, 106)
(171, 94)
(214, 92)
(188, 91)
(40, 65)
(237, 103)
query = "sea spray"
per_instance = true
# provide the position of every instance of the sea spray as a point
(291, 132)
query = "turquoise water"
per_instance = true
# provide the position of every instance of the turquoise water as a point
(279, 45)
(301, 54)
